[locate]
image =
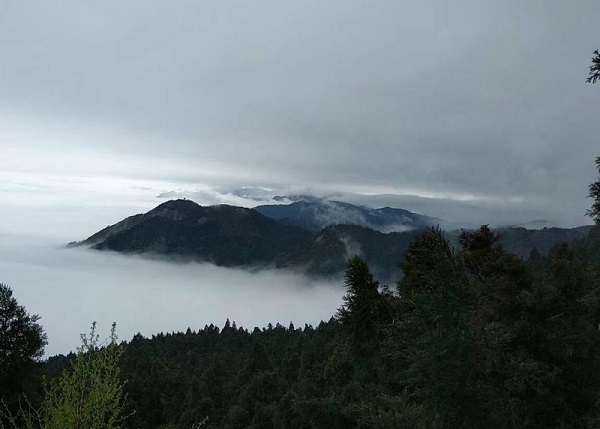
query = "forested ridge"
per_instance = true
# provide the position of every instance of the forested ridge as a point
(240, 237)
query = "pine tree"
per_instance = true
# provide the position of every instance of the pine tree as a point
(364, 313)
(22, 342)
(594, 193)
(430, 343)
(594, 68)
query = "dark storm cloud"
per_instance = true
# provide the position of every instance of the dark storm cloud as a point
(460, 101)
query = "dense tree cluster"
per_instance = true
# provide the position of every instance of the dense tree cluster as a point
(88, 393)
(275, 377)
(474, 337)
(22, 342)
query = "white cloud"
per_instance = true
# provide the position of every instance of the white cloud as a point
(70, 288)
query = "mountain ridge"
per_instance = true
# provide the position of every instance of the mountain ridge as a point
(314, 215)
(234, 236)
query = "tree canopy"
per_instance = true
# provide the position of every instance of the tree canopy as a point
(594, 188)
(22, 342)
(594, 75)
(594, 193)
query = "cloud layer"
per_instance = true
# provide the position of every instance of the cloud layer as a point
(71, 288)
(461, 101)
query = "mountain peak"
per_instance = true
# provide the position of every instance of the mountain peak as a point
(179, 204)
(175, 209)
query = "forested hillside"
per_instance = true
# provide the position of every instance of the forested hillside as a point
(472, 337)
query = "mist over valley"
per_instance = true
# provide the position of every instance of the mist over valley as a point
(71, 288)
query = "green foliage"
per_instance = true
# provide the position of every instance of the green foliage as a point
(594, 68)
(393, 412)
(483, 342)
(22, 342)
(426, 264)
(89, 395)
(431, 343)
(594, 192)
(499, 357)
(364, 313)
(275, 377)
(563, 310)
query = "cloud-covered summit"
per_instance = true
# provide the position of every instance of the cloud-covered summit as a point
(314, 215)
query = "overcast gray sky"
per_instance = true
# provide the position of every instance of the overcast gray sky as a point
(481, 103)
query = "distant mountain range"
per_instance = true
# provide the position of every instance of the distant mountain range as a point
(534, 224)
(316, 237)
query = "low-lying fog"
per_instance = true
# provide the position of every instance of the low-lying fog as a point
(71, 288)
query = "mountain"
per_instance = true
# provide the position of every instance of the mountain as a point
(534, 224)
(522, 240)
(314, 214)
(329, 249)
(224, 235)
(240, 237)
